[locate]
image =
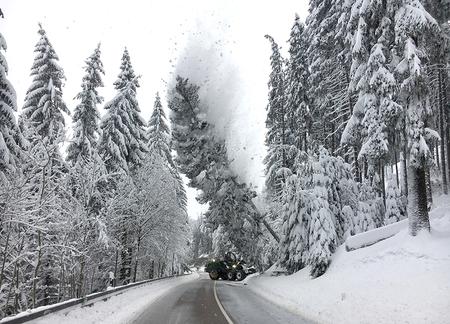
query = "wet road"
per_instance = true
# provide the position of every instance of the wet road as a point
(204, 301)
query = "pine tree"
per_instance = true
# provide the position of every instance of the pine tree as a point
(296, 220)
(203, 158)
(328, 62)
(44, 105)
(12, 142)
(413, 24)
(322, 232)
(375, 118)
(277, 158)
(439, 49)
(369, 212)
(394, 211)
(158, 133)
(122, 142)
(86, 116)
(296, 84)
(159, 142)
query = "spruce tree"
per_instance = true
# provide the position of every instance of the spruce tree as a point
(297, 111)
(86, 116)
(322, 236)
(159, 142)
(44, 105)
(158, 133)
(122, 142)
(394, 211)
(203, 158)
(413, 25)
(12, 142)
(376, 115)
(277, 157)
(294, 244)
(328, 62)
(43, 122)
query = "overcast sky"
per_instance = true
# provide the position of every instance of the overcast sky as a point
(218, 44)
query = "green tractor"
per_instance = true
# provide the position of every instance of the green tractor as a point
(230, 268)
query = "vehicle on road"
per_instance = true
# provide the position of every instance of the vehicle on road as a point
(228, 268)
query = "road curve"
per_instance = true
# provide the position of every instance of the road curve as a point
(195, 303)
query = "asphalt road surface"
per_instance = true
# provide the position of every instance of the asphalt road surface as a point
(204, 301)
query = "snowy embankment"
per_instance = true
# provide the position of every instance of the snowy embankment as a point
(402, 279)
(122, 308)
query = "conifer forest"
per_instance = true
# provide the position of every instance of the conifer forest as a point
(95, 187)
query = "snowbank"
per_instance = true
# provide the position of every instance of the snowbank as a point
(122, 308)
(402, 279)
(373, 236)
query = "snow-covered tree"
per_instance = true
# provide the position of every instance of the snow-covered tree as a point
(328, 62)
(277, 149)
(147, 207)
(413, 24)
(86, 116)
(322, 182)
(122, 142)
(158, 133)
(375, 118)
(370, 209)
(44, 105)
(322, 236)
(12, 142)
(296, 86)
(394, 209)
(159, 142)
(296, 220)
(202, 157)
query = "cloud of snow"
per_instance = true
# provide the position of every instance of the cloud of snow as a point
(213, 59)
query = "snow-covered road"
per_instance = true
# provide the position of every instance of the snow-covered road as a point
(119, 309)
(219, 302)
(192, 299)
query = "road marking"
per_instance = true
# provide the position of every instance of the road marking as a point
(220, 306)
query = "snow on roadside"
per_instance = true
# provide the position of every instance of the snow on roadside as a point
(402, 279)
(122, 308)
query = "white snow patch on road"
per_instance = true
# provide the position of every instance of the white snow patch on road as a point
(402, 279)
(122, 308)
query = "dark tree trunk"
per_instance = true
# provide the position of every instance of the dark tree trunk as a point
(405, 175)
(429, 189)
(115, 267)
(383, 185)
(443, 126)
(445, 88)
(396, 162)
(417, 200)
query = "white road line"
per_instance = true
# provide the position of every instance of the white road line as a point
(220, 306)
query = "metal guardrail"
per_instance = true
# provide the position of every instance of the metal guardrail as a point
(83, 301)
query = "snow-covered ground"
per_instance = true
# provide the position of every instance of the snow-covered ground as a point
(402, 279)
(122, 308)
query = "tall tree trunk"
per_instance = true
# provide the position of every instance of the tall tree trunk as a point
(136, 260)
(417, 200)
(442, 132)
(396, 161)
(115, 267)
(429, 189)
(5, 252)
(404, 174)
(36, 269)
(383, 184)
(445, 88)
(151, 272)
(80, 289)
(16, 292)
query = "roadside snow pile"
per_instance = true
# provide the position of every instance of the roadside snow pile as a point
(122, 308)
(402, 279)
